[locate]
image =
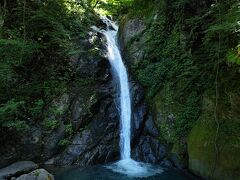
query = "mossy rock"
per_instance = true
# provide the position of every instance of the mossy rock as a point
(165, 111)
(211, 157)
(203, 159)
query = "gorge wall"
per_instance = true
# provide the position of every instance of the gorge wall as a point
(165, 47)
(81, 125)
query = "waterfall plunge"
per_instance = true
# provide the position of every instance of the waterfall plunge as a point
(126, 165)
(125, 101)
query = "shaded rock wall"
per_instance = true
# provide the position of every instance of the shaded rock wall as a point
(82, 125)
(98, 141)
(214, 153)
(196, 150)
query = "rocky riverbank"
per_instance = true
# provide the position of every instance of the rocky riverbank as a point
(24, 170)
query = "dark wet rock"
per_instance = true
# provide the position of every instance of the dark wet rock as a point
(102, 25)
(92, 112)
(99, 139)
(17, 168)
(149, 150)
(51, 142)
(26, 146)
(177, 162)
(82, 106)
(95, 116)
(78, 146)
(138, 120)
(109, 17)
(150, 127)
(166, 163)
(139, 110)
(56, 111)
(93, 68)
(144, 132)
(31, 143)
(112, 28)
(137, 92)
(39, 174)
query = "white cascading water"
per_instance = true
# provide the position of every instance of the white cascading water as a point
(126, 165)
(125, 101)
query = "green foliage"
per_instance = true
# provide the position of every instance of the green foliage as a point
(69, 129)
(37, 173)
(37, 39)
(188, 115)
(50, 124)
(11, 115)
(177, 117)
(187, 45)
(153, 76)
(68, 136)
(64, 143)
(12, 53)
(183, 42)
(233, 55)
(111, 7)
(37, 108)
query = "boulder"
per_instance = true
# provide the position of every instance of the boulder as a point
(17, 169)
(39, 174)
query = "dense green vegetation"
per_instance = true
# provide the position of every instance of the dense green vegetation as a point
(190, 45)
(37, 40)
(114, 8)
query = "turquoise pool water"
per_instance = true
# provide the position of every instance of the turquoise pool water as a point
(103, 173)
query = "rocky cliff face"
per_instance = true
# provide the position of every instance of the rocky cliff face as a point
(83, 123)
(98, 139)
(209, 150)
(133, 40)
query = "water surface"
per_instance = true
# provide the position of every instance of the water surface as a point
(103, 173)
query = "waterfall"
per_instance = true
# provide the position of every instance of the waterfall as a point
(125, 101)
(126, 165)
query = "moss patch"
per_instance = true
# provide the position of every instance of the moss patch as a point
(204, 159)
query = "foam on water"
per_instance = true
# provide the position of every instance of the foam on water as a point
(133, 168)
